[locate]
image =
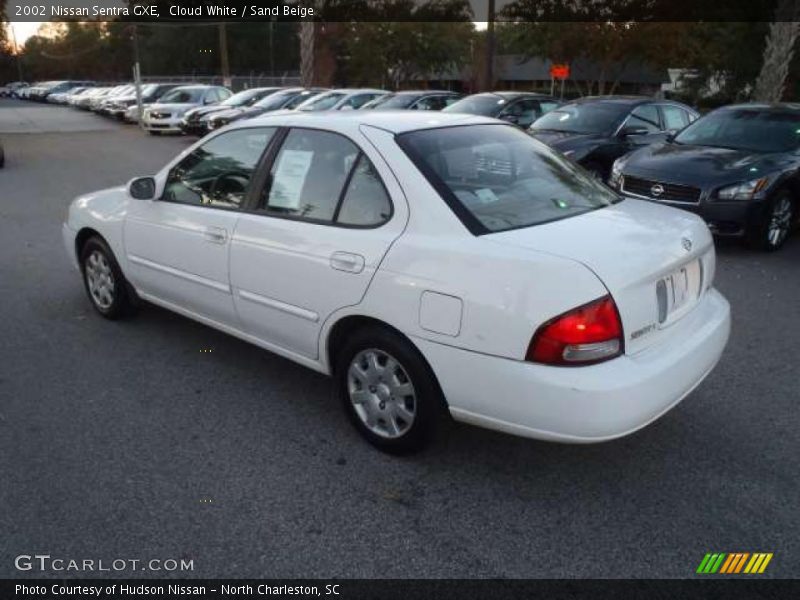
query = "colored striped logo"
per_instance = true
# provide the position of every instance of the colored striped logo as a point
(734, 562)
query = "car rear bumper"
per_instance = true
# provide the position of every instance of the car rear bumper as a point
(584, 404)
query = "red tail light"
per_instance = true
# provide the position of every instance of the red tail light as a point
(588, 334)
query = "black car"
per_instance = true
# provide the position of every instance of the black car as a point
(738, 167)
(414, 100)
(194, 123)
(596, 131)
(519, 108)
(284, 99)
(2, 156)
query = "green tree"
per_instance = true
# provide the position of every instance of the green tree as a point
(391, 54)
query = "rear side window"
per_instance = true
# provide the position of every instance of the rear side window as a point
(365, 202)
(323, 177)
(496, 177)
(674, 118)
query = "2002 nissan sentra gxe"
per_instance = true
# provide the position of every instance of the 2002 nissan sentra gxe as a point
(429, 263)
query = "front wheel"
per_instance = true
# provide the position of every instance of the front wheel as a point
(388, 391)
(104, 282)
(771, 229)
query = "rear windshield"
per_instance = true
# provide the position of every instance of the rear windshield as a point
(747, 129)
(394, 101)
(276, 101)
(324, 102)
(496, 177)
(487, 105)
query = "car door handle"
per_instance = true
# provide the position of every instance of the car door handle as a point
(215, 235)
(347, 261)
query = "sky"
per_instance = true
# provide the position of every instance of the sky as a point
(24, 30)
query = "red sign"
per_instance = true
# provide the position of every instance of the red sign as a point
(559, 71)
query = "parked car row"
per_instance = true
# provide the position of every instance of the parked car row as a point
(738, 167)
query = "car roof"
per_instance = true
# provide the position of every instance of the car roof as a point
(195, 87)
(357, 91)
(421, 92)
(773, 107)
(625, 100)
(514, 94)
(399, 121)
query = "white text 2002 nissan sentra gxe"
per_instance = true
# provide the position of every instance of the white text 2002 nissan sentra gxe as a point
(429, 262)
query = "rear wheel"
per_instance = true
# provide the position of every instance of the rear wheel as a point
(105, 284)
(388, 390)
(771, 229)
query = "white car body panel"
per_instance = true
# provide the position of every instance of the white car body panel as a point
(470, 304)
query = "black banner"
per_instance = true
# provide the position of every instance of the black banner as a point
(399, 10)
(436, 589)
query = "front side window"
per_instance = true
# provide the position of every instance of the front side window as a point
(218, 173)
(674, 118)
(323, 177)
(645, 116)
(524, 112)
(496, 177)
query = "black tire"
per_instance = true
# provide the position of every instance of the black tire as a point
(428, 403)
(761, 234)
(122, 297)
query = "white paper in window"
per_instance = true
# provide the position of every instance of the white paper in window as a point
(290, 176)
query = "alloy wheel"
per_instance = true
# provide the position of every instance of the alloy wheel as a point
(780, 221)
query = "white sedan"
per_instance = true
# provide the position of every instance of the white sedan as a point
(430, 263)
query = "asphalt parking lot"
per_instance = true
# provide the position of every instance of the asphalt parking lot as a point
(132, 440)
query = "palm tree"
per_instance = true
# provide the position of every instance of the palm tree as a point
(778, 53)
(308, 34)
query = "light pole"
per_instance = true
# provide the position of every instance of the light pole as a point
(223, 52)
(16, 52)
(137, 73)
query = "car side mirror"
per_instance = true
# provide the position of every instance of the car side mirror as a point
(632, 130)
(347, 107)
(670, 138)
(142, 188)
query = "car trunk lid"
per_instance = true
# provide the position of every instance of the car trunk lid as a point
(655, 261)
